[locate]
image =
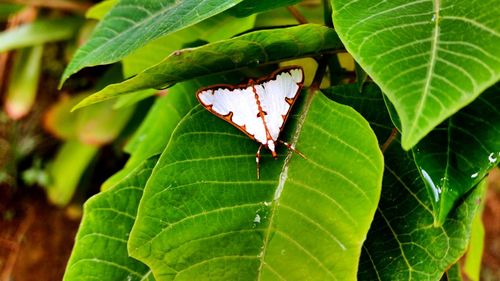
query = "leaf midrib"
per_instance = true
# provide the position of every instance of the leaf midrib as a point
(283, 178)
(430, 70)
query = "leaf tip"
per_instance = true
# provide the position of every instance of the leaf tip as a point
(64, 77)
(79, 105)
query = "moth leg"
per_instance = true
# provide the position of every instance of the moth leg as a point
(257, 160)
(289, 146)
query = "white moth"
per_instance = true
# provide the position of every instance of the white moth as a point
(259, 108)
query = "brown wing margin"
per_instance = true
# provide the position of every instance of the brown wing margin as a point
(261, 80)
(291, 102)
(227, 117)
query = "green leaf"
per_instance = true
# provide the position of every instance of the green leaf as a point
(453, 273)
(392, 113)
(133, 98)
(39, 32)
(460, 152)
(430, 58)
(155, 131)
(100, 251)
(361, 77)
(99, 10)
(205, 216)
(403, 242)
(23, 83)
(210, 30)
(369, 103)
(132, 23)
(7, 10)
(473, 258)
(66, 170)
(282, 17)
(244, 51)
(249, 7)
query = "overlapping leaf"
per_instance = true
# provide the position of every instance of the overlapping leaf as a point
(219, 27)
(132, 23)
(249, 7)
(204, 215)
(430, 58)
(100, 251)
(155, 130)
(244, 51)
(460, 152)
(404, 243)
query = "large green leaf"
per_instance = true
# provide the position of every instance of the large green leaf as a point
(100, 251)
(403, 242)
(460, 152)
(155, 130)
(39, 32)
(205, 216)
(209, 30)
(430, 58)
(244, 51)
(132, 23)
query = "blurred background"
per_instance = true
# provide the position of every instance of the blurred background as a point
(52, 160)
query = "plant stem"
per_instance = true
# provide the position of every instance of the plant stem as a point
(297, 15)
(389, 140)
(320, 73)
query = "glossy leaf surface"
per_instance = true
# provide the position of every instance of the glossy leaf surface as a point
(430, 58)
(247, 50)
(219, 27)
(204, 214)
(404, 243)
(155, 130)
(249, 7)
(100, 251)
(460, 152)
(132, 23)
(152, 136)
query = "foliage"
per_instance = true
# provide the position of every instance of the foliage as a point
(397, 143)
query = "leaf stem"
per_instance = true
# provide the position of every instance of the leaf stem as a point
(320, 73)
(297, 15)
(389, 140)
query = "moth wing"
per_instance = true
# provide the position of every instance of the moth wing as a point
(277, 97)
(237, 106)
